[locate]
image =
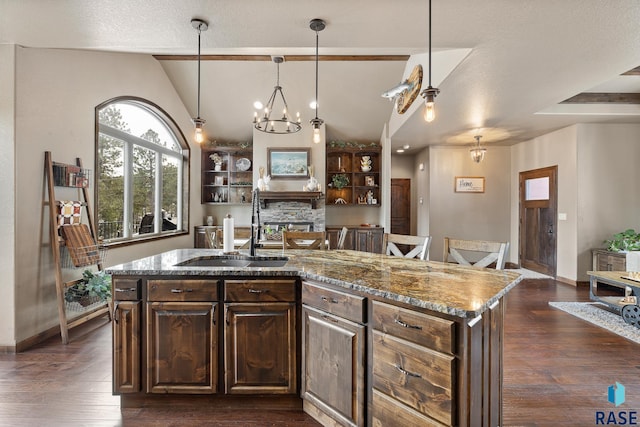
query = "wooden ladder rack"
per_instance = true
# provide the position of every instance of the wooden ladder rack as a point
(57, 242)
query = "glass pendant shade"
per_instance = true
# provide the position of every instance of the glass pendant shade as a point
(316, 25)
(198, 133)
(477, 152)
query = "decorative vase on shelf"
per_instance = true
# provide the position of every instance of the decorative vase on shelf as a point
(217, 167)
(365, 163)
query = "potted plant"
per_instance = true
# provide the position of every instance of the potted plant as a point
(625, 241)
(91, 288)
(217, 161)
(339, 181)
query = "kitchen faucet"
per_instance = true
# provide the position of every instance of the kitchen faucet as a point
(255, 222)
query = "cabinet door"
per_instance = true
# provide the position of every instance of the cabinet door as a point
(182, 347)
(126, 347)
(260, 348)
(369, 240)
(333, 366)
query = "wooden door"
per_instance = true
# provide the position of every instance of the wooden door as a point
(182, 355)
(538, 220)
(260, 348)
(333, 366)
(401, 206)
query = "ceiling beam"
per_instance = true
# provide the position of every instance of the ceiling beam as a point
(288, 58)
(632, 72)
(603, 98)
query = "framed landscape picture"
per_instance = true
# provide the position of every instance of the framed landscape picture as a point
(288, 163)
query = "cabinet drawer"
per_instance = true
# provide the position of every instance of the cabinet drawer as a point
(182, 290)
(389, 412)
(417, 376)
(259, 290)
(126, 289)
(423, 329)
(341, 304)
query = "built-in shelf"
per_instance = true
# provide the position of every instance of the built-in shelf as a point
(290, 196)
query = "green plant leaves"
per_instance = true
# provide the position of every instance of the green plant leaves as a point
(627, 240)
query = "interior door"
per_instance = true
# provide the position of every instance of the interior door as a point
(401, 206)
(538, 220)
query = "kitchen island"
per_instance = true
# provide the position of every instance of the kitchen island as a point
(353, 338)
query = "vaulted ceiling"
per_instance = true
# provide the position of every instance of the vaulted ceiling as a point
(504, 67)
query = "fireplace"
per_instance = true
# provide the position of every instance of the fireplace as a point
(298, 214)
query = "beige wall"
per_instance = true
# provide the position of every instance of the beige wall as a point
(56, 93)
(7, 194)
(556, 148)
(483, 216)
(607, 182)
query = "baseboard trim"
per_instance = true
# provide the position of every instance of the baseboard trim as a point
(571, 282)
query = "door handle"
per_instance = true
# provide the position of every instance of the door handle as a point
(551, 229)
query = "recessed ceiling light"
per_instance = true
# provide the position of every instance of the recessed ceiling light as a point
(406, 146)
(258, 105)
(399, 150)
(312, 105)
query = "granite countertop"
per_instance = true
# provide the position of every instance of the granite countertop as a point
(446, 288)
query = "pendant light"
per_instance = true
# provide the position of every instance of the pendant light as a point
(276, 125)
(430, 93)
(198, 134)
(316, 25)
(477, 152)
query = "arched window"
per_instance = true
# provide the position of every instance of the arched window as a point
(142, 162)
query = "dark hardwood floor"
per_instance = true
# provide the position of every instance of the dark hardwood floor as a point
(557, 370)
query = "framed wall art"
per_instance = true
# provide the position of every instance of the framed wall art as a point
(469, 184)
(288, 163)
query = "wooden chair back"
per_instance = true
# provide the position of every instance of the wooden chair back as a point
(492, 251)
(342, 237)
(304, 239)
(414, 246)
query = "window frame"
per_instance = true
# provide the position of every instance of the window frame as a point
(130, 140)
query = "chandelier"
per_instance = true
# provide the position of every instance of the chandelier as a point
(316, 25)
(477, 152)
(198, 134)
(430, 93)
(268, 124)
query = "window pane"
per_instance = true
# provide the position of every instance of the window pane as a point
(537, 189)
(170, 188)
(110, 188)
(147, 125)
(144, 166)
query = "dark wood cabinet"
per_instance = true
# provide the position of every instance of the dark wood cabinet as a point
(229, 178)
(360, 164)
(182, 336)
(369, 239)
(333, 364)
(365, 239)
(260, 337)
(413, 365)
(126, 336)
(604, 260)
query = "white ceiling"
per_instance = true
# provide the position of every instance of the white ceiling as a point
(523, 58)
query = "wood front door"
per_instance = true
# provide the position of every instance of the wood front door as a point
(401, 206)
(538, 220)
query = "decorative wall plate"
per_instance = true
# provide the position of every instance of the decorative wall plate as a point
(406, 98)
(243, 164)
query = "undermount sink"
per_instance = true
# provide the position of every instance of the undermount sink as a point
(235, 261)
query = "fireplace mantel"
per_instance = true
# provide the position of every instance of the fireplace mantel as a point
(290, 196)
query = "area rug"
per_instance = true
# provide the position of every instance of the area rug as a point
(592, 313)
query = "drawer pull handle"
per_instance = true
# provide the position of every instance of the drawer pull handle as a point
(406, 325)
(325, 317)
(126, 289)
(331, 300)
(407, 373)
(257, 291)
(179, 291)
